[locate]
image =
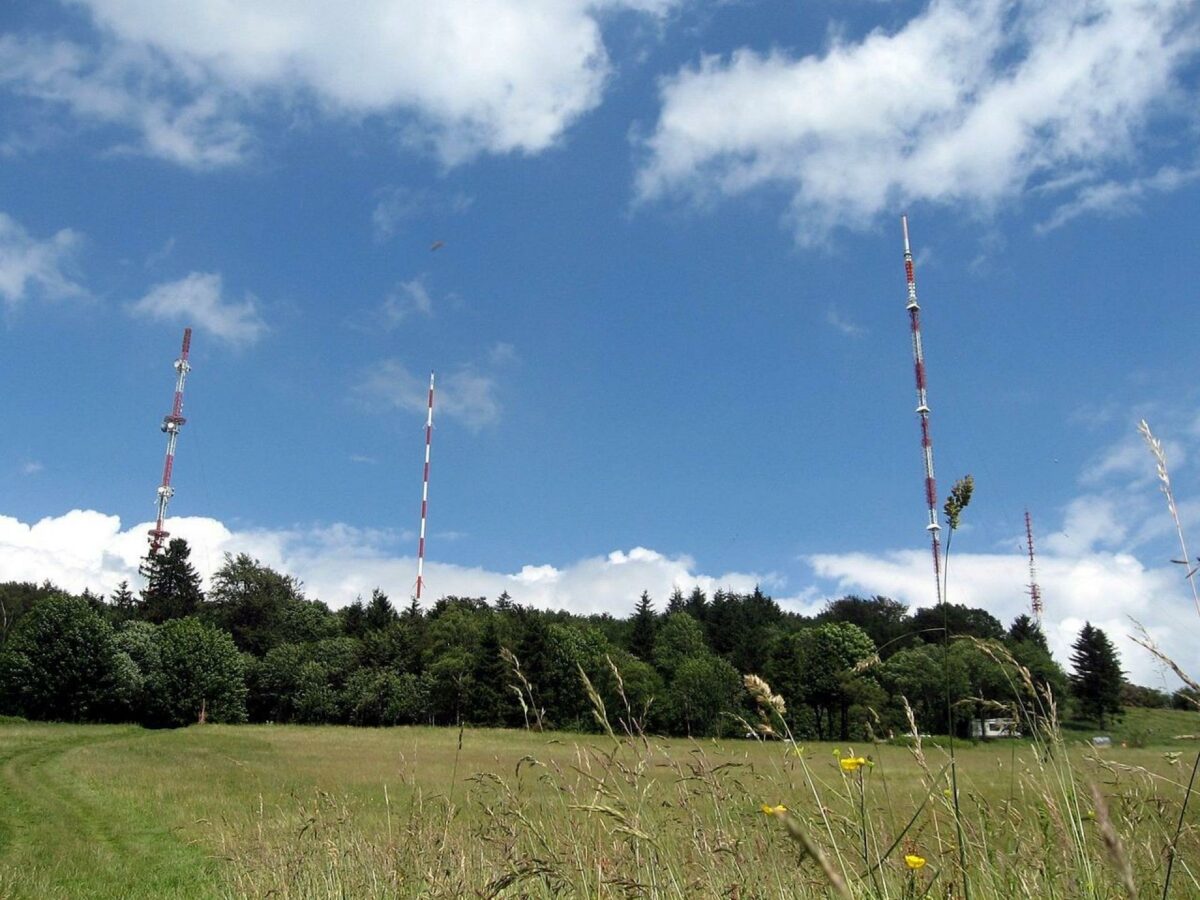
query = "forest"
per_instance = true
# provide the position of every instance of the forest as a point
(255, 648)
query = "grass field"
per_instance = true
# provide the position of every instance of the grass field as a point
(217, 811)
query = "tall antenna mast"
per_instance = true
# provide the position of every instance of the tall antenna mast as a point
(1035, 592)
(171, 424)
(425, 490)
(914, 317)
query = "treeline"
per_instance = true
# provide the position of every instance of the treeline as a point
(256, 649)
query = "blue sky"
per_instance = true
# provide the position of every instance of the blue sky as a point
(667, 315)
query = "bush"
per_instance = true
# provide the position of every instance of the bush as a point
(62, 663)
(199, 672)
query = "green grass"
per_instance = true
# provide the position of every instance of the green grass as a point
(64, 832)
(230, 811)
(1144, 727)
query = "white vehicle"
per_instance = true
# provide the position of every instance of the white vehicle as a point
(994, 728)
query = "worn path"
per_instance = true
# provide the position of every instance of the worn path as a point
(63, 835)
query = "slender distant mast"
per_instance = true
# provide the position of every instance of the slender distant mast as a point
(171, 424)
(425, 490)
(914, 316)
(1035, 592)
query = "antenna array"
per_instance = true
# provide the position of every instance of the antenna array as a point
(171, 424)
(1035, 592)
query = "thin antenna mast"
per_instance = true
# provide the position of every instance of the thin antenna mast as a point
(171, 424)
(1035, 592)
(425, 490)
(914, 316)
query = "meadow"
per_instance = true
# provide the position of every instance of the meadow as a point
(290, 811)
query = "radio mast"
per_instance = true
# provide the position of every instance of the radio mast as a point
(1035, 592)
(425, 490)
(171, 424)
(914, 317)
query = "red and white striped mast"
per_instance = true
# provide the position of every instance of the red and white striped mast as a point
(171, 424)
(425, 490)
(1035, 592)
(914, 317)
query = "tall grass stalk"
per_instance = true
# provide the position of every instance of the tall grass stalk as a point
(1164, 480)
(959, 499)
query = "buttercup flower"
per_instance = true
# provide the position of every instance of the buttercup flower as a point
(852, 763)
(773, 810)
(913, 861)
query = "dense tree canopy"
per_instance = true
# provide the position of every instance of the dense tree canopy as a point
(61, 662)
(256, 648)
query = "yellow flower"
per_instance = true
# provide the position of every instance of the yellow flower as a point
(946, 791)
(852, 763)
(913, 861)
(774, 810)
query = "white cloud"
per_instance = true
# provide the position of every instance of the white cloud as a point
(464, 394)
(406, 298)
(832, 317)
(1090, 522)
(460, 76)
(503, 354)
(32, 267)
(196, 300)
(1115, 198)
(130, 87)
(397, 206)
(969, 102)
(32, 467)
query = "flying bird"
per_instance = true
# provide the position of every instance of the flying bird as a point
(437, 245)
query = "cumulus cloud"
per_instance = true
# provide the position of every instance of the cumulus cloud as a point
(32, 267)
(197, 300)
(460, 76)
(338, 563)
(465, 394)
(969, 102)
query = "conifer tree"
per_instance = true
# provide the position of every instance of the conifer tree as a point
(172, 584)
(1025, 630)
(354, 618)
(641, 637)
(1096, 682)
(490, 699)
(124, 604)
(380, 613)
(676, 603)
(413, 610)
